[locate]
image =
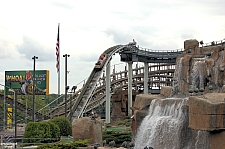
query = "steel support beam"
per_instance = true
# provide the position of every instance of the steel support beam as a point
(130, 75)
(108, 93)
(145, 78)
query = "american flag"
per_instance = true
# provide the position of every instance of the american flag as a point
(57, 51)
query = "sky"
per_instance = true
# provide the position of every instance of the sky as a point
(87, 28)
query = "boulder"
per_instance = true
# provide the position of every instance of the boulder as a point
(166, 91)
(142, 100)
(190, 44)
(87, 128)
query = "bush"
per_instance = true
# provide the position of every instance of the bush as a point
(118, 137)
(81, 143)
(196, 90)
(41, 132)
(190, 90)
(64, 125)
(55, 131)
(74, 145)
(201, 90)
(210, 87)
(126, 122)
(208, 54)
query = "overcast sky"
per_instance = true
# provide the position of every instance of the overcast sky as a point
(87, 28)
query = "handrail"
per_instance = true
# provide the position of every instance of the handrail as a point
(51, 102)
(214, 43)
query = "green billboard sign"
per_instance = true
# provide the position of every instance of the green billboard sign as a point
(23, 81)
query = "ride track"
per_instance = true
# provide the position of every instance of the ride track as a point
(93, 92)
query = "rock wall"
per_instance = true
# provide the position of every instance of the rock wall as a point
(120, 104)
(200, 68)
(217, 140)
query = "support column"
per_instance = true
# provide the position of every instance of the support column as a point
(130, 71)
(108, 96)
(5, 111)
(145, 78)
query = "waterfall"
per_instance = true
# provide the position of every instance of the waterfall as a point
(166, 127)
(177, 73)
(195, 75)
(198, 74)
(201, 140)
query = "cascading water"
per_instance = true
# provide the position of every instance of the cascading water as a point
(176, 77)
(198, 74)
(166, 126)
(201, 140)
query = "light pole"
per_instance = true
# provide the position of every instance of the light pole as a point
(15, 113)
(5, 111)
(33, 91)
(73, 89)
(66, 87)
(14, 110)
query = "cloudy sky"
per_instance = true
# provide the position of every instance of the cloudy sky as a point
(87, 28)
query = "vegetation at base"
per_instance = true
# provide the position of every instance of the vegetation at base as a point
(41, 132)
(118, 137)
(73, 145)
(196, 90)
(210, 87)
(64, 125)
(208, 54)
(116, 128)
(126, 122)
(191, 90)
(201, 90)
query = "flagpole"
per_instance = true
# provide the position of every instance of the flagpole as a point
(59, 71)
(58, 60)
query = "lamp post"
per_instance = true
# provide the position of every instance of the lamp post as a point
(4, 105)
(66, 87)
(33, 91)
(14, 111)
(73, 89)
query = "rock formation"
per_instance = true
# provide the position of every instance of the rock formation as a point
(87, 128)
(200, 68)
(120, 104)
(200, 78)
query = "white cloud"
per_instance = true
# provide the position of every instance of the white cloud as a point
(87, 28)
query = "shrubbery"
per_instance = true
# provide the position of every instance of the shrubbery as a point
(126, 122)
(118, 137)
(64, 125)
(47, 131)
(74, 145)
(41, 132)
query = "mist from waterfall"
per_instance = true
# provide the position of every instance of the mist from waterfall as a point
(166, 126)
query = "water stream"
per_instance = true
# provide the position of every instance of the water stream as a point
(166, 127)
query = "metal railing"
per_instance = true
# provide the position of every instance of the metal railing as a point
(213, 43)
